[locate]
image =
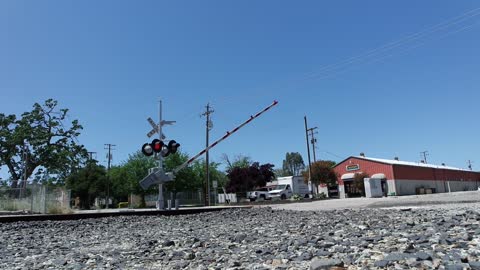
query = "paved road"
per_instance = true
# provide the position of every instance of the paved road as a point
(430, 200)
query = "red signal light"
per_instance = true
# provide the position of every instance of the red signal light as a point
(157, 145)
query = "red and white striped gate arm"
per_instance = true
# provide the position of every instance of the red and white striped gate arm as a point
(223, 138)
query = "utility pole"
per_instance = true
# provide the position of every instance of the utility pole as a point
(424, 154)
(309, 161)
(208, 126)
(90, 155)
(109, 147)
(313, 140)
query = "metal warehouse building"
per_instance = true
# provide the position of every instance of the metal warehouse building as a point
(403, 178)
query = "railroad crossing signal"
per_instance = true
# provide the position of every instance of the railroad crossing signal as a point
(158, 146)
(155, 127)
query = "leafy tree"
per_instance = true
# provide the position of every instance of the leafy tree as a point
(322, 173)
(239, 161)
(88, 183)
(293, 164)
(185, 179)
(125, 178)
(215, 173)
(243, 179)
(280, 173)
(50, 144)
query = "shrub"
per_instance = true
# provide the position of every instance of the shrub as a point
(296, 197)
(122, 204)
(57, 210)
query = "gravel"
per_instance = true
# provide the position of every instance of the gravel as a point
(262, 238)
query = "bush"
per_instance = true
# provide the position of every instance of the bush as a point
(57, 210)
(122, 204)
(296, 197)
(320, 196)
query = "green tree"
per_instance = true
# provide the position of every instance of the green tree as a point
(322, 173)
(240, 161)
(215, 173)
(88, 183)
(46, 139)
(293, 164)
(185, 179)
(126, 177)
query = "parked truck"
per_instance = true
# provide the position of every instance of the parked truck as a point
(285, 187)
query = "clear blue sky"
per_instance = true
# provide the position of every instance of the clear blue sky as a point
(109, 62)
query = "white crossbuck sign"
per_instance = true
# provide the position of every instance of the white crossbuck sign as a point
(155, 127)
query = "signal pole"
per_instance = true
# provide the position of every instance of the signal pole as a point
(309, 161)
(313, 140)
(108, 146)
(160, 203)
(207, 161)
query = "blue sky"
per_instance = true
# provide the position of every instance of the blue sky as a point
(110, 62)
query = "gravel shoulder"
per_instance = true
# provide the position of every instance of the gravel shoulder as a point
(430, 200)
(446, 236)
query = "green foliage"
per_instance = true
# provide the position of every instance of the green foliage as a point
(240, 161)
(122, 204)
(322, 173)
(293, 164)
(51, 143)
(58, 210)
(320, 196)
(124, 179)
(88, 183)
(296, 197)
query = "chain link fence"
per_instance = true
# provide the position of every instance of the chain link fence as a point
(35, 199)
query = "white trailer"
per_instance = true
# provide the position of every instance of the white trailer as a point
(288, 186)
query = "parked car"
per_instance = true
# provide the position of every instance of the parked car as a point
(261, 193)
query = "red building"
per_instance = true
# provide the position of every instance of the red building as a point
(402, 177)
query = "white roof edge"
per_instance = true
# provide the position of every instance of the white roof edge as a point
(414, 164)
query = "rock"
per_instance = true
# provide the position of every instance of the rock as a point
(381, 264)
(168, 243)
(319, 264)
(422, 256)
(474, 265)
(240, 237)
(395, 257)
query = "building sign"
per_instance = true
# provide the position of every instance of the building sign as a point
(353, 167)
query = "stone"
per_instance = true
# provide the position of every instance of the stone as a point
(381, 264)
(320, 264)
(474, 265)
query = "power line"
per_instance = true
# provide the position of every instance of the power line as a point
(391, 45)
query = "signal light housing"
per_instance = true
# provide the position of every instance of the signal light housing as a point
(173, 146)
(157, 145)
(147, 150)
